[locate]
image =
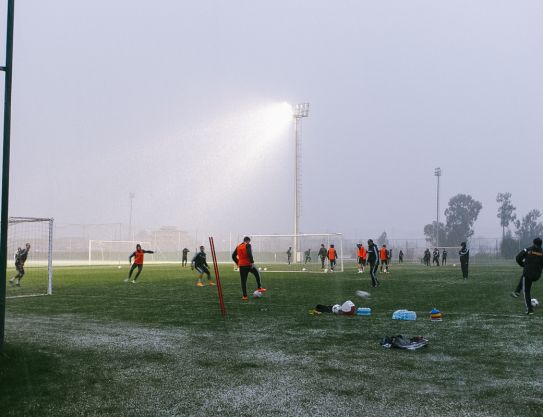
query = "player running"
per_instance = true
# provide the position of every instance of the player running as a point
(373, 260)
(332, 256)
(361, 254)
(200, 264)
(138, 255)
(243, 257)
(184, 259)
(531, 260)
(322, 254)
(20, 259)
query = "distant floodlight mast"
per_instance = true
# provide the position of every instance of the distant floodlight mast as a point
(437, 173)
(301, 110)
(5, 168)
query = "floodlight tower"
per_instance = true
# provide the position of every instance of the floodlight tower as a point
(301, 110)
(437, 173)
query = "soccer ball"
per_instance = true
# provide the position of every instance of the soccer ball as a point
(265, 269)
(260, 269)
(454, 264)
(119, 267)
(325, 270)
(336, 308)
(257, 294)
(535, 303)
(362, 294)
(303, 269)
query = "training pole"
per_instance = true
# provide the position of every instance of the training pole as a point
(217, 276)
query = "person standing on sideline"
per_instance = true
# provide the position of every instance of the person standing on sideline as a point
(307, 256)
(200, 264)
(361, 254)
(243, 257)
(400, 256)
(332, 256)
(444, 257)
(289, 254)
(435, 257)
(138, 262)
(184, 259)
(373, 260)
(383, 258)
(531, 260)
(322, 254)
(20, 259)
(464, 259)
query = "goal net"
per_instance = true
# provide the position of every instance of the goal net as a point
(271, 252)
(115, 252)
(30, 257)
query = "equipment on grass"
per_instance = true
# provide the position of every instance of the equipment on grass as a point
(336, 308)
(37, 270)
(257, 294)
(534, 302)
(362, 294)
(401, 342)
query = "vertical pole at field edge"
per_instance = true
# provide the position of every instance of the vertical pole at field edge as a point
(50, 260)
(217, 276)
(5, 169)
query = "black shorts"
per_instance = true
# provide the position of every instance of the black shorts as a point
(361, 261)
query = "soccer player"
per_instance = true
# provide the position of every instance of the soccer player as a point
(400, 256)
(20, 259)
(383, 257)
(332, 256)
(531, 260)
(444, 257)
(307, 256)
(138, 255)
(435, 257)
(184, 259)
(361, 254)
(322, 254)
(464, 259)
(427, 256)
(373, 260)
(200, 264)
(289, 254)
(243, 257)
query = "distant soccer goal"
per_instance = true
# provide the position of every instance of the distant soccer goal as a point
(295, 253)
(30, 257)
(114, 252)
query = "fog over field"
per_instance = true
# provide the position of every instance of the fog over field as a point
(182, 103)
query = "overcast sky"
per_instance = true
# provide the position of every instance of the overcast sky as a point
(163, 99)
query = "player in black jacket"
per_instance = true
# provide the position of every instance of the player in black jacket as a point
(323, 253)
(464, 259)
(373, 260)
(200, 264)
(531, 260)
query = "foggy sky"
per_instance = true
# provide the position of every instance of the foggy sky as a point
(116, 96)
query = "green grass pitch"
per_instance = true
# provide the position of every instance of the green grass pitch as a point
(102, 347)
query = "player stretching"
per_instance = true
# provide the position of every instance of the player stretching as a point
(199, 263)
(184, 259)
(373, 260)
(20, 259)
(322, 254)
(243, 257)
(332, 257)
(138, 262)
(361, 254)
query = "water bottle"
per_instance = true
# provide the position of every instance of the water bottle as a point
(363, 311)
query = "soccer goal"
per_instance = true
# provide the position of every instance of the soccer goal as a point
(30, 257)
(114, 252)
(271, 252)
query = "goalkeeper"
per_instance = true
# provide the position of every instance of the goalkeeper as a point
(20, 259)
(138, 255)
(200, 264)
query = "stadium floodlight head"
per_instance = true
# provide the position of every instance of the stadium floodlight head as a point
(437, 172)
(301, 110)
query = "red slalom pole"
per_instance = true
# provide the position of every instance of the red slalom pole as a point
(217, 275)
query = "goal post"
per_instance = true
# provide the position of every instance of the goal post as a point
(32, 272)
(271, 252)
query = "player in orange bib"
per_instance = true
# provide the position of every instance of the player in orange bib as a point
(362, 254)
(243, 257)
(383, 257)
(138, 262)
(332, 257)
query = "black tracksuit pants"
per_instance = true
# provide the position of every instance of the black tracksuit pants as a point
(374, 266)
(464, 264)
(526, 285)
(244, 273)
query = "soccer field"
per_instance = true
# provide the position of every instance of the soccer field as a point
(102, 347)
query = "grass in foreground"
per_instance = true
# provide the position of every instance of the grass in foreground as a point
(100, 347)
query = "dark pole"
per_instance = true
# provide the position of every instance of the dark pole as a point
(5, 171)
